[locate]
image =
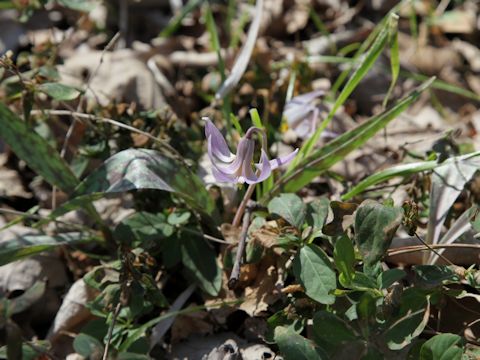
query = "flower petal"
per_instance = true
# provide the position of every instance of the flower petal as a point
(264, 168)
(275, 163)
(306, 98)
(221, 177)
(217, 145)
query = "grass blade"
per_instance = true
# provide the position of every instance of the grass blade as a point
(336, 150)
(370, 57)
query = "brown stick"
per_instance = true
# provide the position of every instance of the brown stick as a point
(235, 275)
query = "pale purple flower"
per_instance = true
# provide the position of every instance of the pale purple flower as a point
(239, 167)
(302, 115)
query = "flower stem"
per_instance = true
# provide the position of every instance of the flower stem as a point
(243, 205)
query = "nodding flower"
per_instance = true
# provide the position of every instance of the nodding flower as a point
(240, 168)
(301, 114)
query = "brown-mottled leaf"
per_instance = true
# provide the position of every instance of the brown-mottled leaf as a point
(341, 218)
(135, 169)
(35, 151)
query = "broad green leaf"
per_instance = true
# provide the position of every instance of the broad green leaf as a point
(201, 261)
(290, 207)
(317, 212)
(344, 257)
(135, 169)
(79, 5)
(143, 229)
(370, 57)
(412, 318)
(282, 318)
(59, 91)
(330, 328)
(26, 245)
(375, 226)
(322, 159)
(387, 278)
(87, 346)
(35, 151)
(434, 275)
(442, 347)
(314, 270)
(295, 347)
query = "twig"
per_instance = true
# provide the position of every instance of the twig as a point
(106, 120)
(235, 275)
(415, 248)
(205, 236)
(433, 250)
(242, 206)
(39, 217)
(110, 330)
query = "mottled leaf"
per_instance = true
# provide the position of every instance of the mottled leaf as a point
(295, 347)
(135, 169)
(290, 207)
(375, 225)
(35, 151)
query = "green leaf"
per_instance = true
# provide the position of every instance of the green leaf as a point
(179, 218)
(370, 57)
(35, 151)
(322, 159)
(59, 91)
(402, 170)
(26, 245)
(314, 270)
(434, 275)
(290, 207)
(80, 5)
(375, 226)
(295, 347)
(387, 278)
(87, 346)
(200, 259)
(412, 318)
(330, 328)
(344, 257)
(317, 211)
(442, 347)
(135, 169)
(144, 227)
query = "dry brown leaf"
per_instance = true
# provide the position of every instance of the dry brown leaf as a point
(263, 291)
(195, 323)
